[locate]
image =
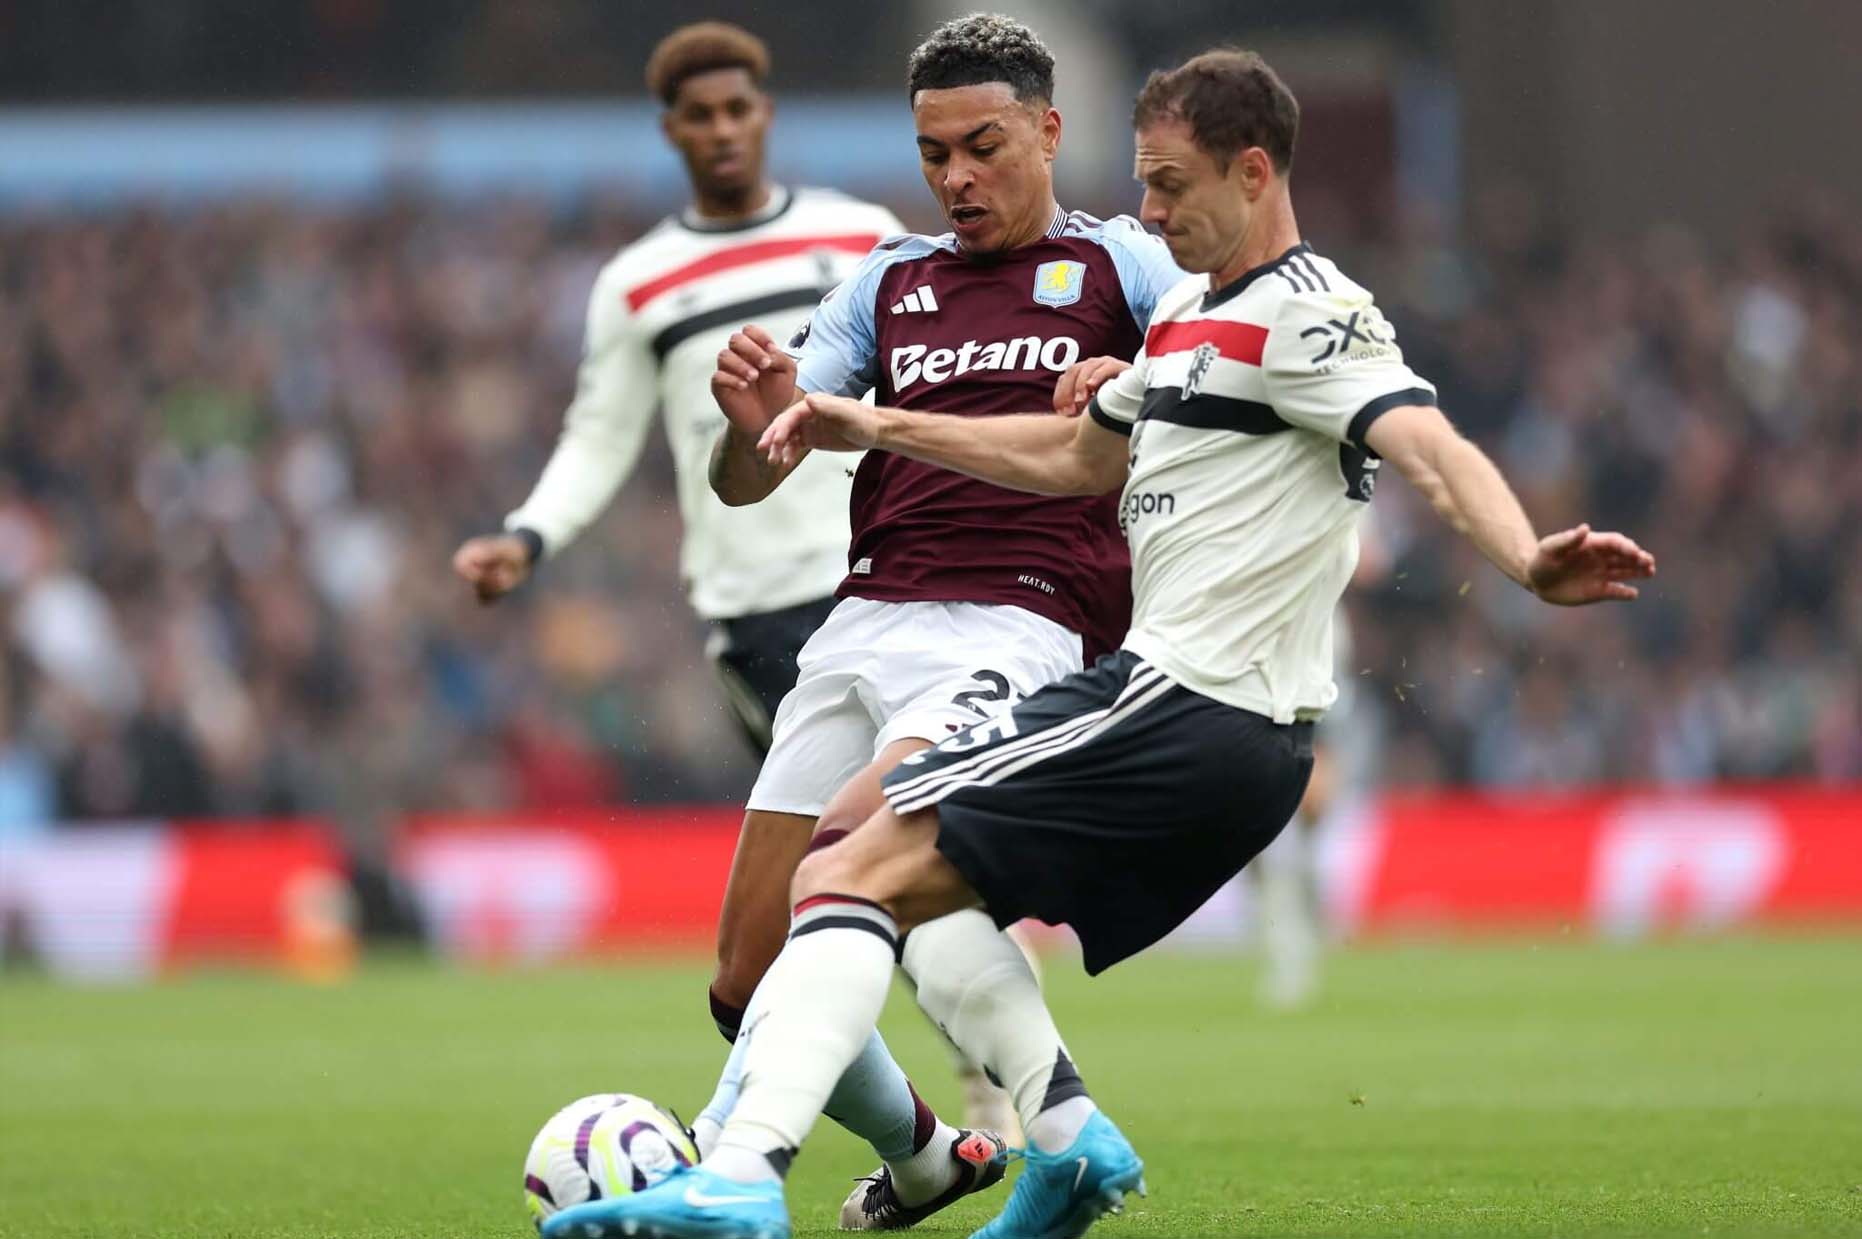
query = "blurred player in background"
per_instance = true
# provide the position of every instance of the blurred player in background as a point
(661, 308)
(1289, 892)
(961, 597)
(1120, 799)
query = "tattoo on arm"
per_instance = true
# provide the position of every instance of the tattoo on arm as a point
(737, 465)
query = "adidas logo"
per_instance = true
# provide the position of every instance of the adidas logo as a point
(917, 301)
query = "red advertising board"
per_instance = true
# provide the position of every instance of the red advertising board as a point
(131, 899)
(127, 900)
(528, 888)
(1620, 864)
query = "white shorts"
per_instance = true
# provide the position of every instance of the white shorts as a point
(877, 672)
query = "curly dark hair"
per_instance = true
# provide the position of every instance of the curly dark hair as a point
(983, 47)
(700, 48)
(1231, 100)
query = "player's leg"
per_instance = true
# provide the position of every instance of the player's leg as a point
(1287, 889)
(978, 662)
(810, 1021)
(1115, 802)
(756, 658)
(824, 737)
(753, 922)
(926, 1163)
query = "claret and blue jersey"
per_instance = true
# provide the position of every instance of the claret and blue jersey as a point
(924, 326)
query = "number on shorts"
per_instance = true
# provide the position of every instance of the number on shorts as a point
(999, 690)
(1002, 727)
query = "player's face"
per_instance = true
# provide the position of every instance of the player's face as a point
(718, 122)
(1202, 210)
(989, 160)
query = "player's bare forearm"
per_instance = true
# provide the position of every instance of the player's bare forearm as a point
(1463, 486)
(1037, 452)
(740, 474)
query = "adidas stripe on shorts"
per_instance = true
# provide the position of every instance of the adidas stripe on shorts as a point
(1115, 801)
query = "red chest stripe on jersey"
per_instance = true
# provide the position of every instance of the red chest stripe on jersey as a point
(1241, 342)
(744, 255)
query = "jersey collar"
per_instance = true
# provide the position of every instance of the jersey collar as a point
(780, 200)
(1235, 287)
(1058, 224)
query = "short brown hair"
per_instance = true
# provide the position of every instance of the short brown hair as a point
(1231, 100)
(700, 48)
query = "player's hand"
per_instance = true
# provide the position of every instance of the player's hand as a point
(1082, 379)
(493, 565)
(1581, 566)
(754, 381)
(820, 422)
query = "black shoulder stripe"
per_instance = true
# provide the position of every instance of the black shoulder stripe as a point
(1207, 412)
(1285, 272)
(735, 314)
(1311, 270)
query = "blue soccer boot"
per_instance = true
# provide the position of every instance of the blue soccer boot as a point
(689, 1203)
(1059, 1195)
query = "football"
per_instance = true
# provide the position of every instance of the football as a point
(599, 1147)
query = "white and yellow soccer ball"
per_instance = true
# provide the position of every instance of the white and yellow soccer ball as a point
(600, 1147)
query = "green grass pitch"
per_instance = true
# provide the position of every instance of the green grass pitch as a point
(1692, 1088)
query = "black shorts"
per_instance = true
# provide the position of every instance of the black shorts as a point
(1115, 801)
(755, 660)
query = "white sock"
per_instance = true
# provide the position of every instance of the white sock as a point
(1056, 1128)
(872, 1099)
(930, 1171)
(810, 1019)
(1290, 929)
(975, 984)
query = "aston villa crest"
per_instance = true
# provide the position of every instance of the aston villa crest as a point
(1059, 283)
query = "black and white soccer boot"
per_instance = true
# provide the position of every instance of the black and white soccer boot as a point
(981, 1157)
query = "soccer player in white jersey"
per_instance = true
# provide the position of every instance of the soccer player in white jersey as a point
(745, 248)
(1243, 440)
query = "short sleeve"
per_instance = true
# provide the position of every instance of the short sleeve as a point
(1332, 365)
(837, 349)
(1145, 268)
(1116, 404)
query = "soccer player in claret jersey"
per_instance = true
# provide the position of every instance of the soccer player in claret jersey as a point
(659, 312)
(961, 597)
(1244, 439)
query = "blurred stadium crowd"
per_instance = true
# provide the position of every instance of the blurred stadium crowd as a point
(238, 444)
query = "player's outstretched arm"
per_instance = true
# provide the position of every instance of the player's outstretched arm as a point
(1571, 568)
(1036, 452)
(754, 381)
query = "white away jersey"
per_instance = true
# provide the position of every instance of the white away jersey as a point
(1247, 411)
(660, 312)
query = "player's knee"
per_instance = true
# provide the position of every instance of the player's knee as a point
(817, 875)
(851, 806)
(952, 974)
(836, 870)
